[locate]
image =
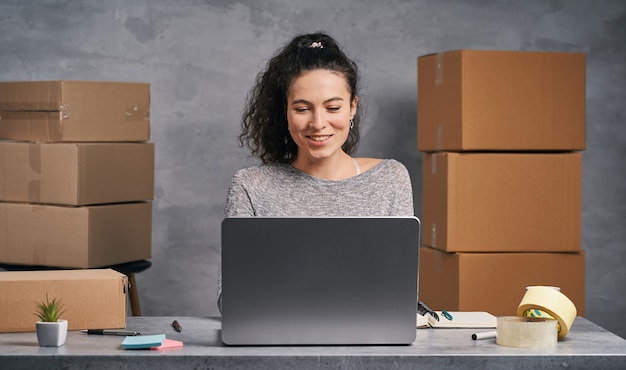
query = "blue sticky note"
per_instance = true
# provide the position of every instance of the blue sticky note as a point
(143, 341)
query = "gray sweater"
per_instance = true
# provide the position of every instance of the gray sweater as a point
(281, 190)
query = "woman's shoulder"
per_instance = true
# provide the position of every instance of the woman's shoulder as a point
(379, 164)
(260, 172)
(366, 163)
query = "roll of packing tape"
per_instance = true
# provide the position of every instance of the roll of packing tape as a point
(538, 313)
(541, 314)
(526, 332)
(547, 302)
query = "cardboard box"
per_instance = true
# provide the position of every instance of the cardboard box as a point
(56, 111)
(470, 100)
(91, 298)
(75, 237)
(496, 282)
(502, 202)
(76, 173)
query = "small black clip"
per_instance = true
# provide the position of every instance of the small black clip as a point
(177, 326)
(423, 309)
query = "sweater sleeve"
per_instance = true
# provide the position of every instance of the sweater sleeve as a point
(238, 202)
(403, 203)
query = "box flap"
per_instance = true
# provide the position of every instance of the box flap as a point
(31, 96)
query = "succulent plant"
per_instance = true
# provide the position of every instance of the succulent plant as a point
(49, 311)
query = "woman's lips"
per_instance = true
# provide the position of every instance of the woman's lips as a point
(319, 138)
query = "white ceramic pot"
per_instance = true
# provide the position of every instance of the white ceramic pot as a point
(51, 334)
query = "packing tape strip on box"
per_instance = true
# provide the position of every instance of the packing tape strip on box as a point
(544, 315)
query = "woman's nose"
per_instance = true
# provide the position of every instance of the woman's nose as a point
(317, 121)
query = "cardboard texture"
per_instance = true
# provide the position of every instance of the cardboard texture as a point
(92, 298)
(496, 282)
(57, 111)
(502, 202)
(471, 100)
(75, 237)
(76, 173)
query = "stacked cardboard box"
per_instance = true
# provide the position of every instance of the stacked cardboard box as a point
(501, 134)
(76, 173)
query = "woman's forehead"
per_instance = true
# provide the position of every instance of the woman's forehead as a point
(318, 82)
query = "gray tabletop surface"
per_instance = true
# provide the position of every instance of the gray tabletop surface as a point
(587, 346)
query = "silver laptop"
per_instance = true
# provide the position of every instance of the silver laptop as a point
(319, 280)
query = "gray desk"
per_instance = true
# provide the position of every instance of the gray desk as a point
(587, 346)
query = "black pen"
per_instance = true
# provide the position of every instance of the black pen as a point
(110, 332)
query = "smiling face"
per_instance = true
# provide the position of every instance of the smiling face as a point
(319, 110)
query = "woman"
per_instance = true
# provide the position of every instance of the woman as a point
(302, 121)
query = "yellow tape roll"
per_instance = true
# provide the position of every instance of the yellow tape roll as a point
(526, 332)
(540, 314)
(550, 303)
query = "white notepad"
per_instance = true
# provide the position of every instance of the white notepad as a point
(460, 319)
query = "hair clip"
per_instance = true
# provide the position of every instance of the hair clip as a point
(316, 44)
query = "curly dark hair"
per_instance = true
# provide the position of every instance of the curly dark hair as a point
(264, 121)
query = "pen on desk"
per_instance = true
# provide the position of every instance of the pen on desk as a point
(446, 314)
(177, 326)
(485, 335)
(111, 332)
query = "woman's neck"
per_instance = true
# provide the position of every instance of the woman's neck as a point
(338, 167)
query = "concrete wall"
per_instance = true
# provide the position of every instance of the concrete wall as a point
(202, 56)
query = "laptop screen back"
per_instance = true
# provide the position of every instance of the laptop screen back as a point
(319, 281)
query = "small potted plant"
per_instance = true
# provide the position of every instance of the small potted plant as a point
(51, 330)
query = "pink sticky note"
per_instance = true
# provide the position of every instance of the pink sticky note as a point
(169, 343)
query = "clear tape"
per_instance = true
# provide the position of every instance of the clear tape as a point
(438, 69)
(137, 113)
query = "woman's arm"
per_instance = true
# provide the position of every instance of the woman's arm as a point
(403, 204)
(238, 202)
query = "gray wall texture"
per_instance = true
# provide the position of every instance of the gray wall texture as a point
(201, 58)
